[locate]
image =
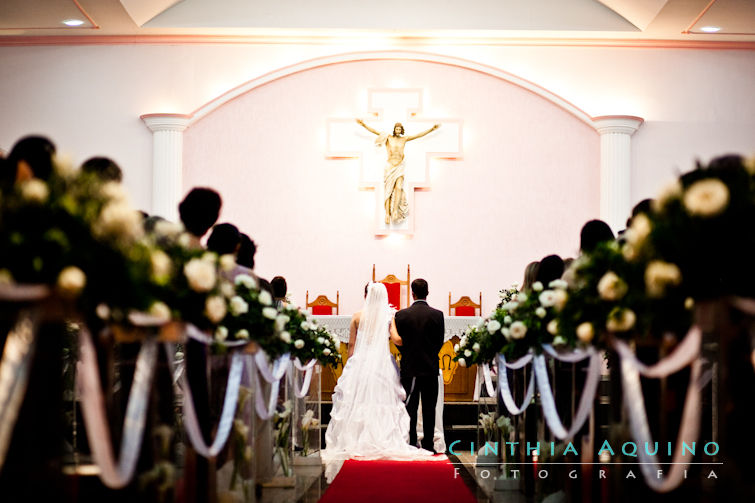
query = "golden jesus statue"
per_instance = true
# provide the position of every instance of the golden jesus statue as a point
(396, 206)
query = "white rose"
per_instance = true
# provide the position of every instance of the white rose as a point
(221, 333)
(243, 334)
(494, 326)
(639, 230)
(476, 347)
(456, 348)
(507, 320)
(506, 333)
(71, 281)
(467, 353)
(285, 337)
(326, 351)
(265, 298)
(228, 262)
(160, 310)
(327, 342)
(552, 327)
(238, 306)
(184, 240)
(518, 330)
(585, 332)
(547, 298)
(280, 321)
(210, 256)
(304, 325)
(102, 311)
(246, 281)
(227, 289)
(558, 283)
(667, 194)
(200, 275)
(540, 312)
(462, 362)
(113, 191)
(35, 190)
(320, 340)
(312, 322)
(659, 275)
(537, 286)
(215, 308)
(521, 297)
(629, 252)
(63, 164)
(510, 306)
(337, 344)
(118, 218)
(561, 298)
(559, 341)
(621, 320)
(481, 323)
(270, 313)
(611, 287)
(161, 265)
(165, 228)
(706, 198)
(298, 343)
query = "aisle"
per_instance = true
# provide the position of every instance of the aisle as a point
(398, 481)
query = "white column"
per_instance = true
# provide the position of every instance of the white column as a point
(615, 167)
(167, 162)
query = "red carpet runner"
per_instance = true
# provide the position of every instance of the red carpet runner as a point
(398, 481)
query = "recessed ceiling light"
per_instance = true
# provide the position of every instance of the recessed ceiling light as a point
(711, 29)
(73, 22)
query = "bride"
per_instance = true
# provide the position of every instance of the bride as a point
(369, 418)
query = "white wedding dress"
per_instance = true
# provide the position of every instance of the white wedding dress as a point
(369, 418)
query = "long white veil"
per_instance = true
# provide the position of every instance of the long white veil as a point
(375, 320)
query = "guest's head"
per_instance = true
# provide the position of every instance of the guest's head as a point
(530, 273)
(551, 267)
(224, 238)
(103, 167)
(593, 233)
(31, 157)
(200, 210)
(246, 251)
(279, 287)
(265, 285)
(419, 289)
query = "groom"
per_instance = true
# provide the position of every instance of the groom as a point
(421, 329)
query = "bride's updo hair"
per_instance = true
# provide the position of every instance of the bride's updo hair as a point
(366, 286)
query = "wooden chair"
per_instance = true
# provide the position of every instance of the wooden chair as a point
(465, 306)
(393, 285)
(322, 305)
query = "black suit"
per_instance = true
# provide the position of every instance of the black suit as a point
(421, 329)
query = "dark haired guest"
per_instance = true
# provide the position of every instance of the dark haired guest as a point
(30, 157)
(199, 211)
(280, 288)
(104, 167)
(593, 233)
(224, 238)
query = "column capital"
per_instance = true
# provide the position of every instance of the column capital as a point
(623, 124)
(166, 122)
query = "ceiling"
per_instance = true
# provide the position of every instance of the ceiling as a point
(483, 21)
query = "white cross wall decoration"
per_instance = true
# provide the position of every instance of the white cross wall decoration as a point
(348, 140)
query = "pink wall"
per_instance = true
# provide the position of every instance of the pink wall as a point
(527, 182)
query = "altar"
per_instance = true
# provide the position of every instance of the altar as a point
(458, 382)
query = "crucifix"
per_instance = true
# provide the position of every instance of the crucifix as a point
(394, 181)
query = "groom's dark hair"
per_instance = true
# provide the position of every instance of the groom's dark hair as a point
(419, 288)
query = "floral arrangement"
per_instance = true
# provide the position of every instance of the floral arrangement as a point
(308, 422)
(488, 425)
(250, 315)
(611, 294)
(702, 223)
(310, 341)
(523, 322)
(282, 437)
(77, 234)
(242, 450)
